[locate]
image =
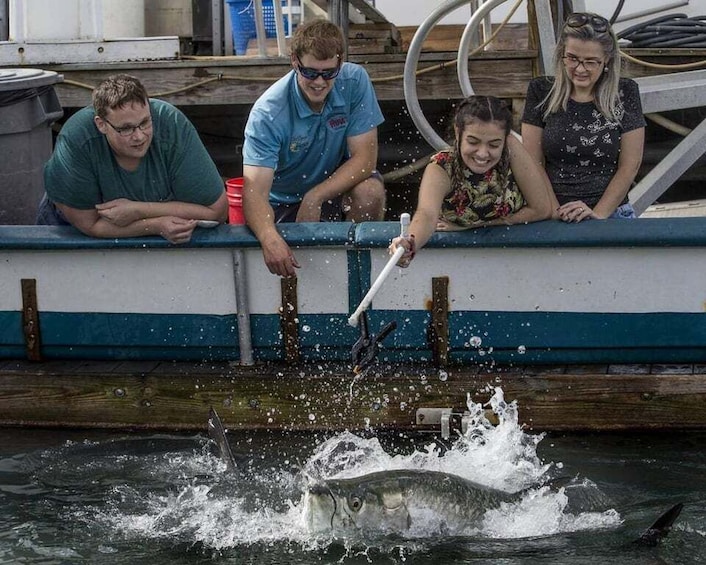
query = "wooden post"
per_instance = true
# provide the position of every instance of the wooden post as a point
(289, 313)
(533, 34)
(439, 329)
(30, 320)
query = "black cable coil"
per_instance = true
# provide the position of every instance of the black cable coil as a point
(673, 30)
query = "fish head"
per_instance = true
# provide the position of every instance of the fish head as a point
(349, 507)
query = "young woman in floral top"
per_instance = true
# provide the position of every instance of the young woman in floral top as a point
(487, 178)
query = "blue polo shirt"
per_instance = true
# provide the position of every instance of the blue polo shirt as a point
(304, 147)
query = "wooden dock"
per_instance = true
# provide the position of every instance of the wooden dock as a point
(177, 396)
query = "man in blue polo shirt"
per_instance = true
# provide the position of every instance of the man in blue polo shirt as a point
(311, 145)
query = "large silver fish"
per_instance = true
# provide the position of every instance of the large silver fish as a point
(406, 502)
(402, 502)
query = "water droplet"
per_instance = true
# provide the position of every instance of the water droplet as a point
(522, 349)
(443, 375)
(475, 341)
(312, 417)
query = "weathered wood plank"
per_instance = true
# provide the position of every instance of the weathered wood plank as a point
(178, 396)
(239, 80)
(448, 37)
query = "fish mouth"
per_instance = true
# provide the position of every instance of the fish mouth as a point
(323, 490)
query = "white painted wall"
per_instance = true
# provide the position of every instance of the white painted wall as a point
(54, 20)
(414, 12)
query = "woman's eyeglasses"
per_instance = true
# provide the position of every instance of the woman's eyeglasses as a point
(580, 19)
(572, 62)
(312, 74)
(127, 131)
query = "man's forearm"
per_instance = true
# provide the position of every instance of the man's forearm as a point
(104, 229)
(185, 210)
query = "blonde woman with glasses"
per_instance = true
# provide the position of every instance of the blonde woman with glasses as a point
(585, 125)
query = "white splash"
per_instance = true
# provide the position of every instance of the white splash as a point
(230, 512)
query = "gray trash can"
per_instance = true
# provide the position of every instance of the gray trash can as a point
(28, 107)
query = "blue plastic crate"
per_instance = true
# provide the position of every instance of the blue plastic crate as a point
(242, 17)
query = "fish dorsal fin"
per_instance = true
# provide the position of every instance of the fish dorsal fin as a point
(654, 534)
(218, 434)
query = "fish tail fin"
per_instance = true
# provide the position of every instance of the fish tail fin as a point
(654, 534)
(217, 433)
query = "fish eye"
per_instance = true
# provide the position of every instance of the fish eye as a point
(355, 503)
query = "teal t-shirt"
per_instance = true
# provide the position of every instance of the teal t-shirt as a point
(302, 146)
(83, 172)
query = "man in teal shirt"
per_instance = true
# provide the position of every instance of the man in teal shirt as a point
(311, 145)
(130, 166)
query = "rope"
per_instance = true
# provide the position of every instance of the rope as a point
(693, 65)
(669, 124)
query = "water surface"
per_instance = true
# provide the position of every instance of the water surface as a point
(74, 497)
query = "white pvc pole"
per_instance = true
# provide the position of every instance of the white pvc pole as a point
(353, 320)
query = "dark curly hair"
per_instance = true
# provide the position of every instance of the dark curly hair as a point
(480, 109)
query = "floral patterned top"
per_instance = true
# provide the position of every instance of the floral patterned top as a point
(481, 197)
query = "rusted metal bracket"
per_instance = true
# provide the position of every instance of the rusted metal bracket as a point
(439, 329)
(289, 316)
(30, 320)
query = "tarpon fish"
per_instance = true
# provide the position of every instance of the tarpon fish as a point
(413, 502)
(406, 502)
(399, 502)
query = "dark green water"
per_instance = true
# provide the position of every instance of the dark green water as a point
(74, 497)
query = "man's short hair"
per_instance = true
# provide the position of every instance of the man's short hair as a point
(117, 91)
(320, 38)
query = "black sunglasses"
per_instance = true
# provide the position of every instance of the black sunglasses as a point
(580, 19)
(312, 74)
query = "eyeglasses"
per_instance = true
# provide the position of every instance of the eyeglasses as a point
(580, 19)
(312, 74)
(589, 64)
(127, 131)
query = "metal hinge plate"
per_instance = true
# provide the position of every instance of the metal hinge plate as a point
(445, 419)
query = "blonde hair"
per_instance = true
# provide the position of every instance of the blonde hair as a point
(606, 92)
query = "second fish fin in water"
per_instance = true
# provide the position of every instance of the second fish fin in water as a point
(662, 526)
(217, 433)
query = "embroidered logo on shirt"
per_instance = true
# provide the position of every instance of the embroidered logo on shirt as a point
(298, 144)
(337, 122)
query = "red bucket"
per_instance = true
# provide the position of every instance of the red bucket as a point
(234, 192)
